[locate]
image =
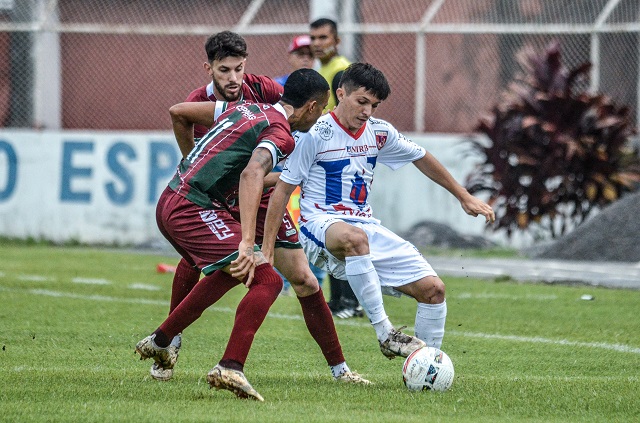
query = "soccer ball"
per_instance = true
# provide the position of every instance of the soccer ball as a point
(427, 368)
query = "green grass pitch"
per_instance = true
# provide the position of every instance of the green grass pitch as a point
(70, 318)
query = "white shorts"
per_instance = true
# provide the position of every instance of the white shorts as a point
(396, 260)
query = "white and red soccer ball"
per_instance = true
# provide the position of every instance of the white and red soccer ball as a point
(427, 369)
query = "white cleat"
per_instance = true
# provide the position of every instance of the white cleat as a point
(400, 344)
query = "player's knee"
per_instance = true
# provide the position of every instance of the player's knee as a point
(430, 290)
(305, 283)
(354, 242)
(303, 277)
(438, 292)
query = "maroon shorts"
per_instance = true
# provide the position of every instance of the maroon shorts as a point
(287, 236)
(208, 239)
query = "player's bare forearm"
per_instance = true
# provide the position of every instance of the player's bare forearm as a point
(184, 116)
(183, 130)
(271, 179)
(250, 192)
(435, 171)
(275, 211)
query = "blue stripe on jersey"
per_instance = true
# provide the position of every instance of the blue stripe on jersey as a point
(333, 178)
(309, 235)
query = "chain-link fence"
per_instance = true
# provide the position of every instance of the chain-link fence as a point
(120, 64)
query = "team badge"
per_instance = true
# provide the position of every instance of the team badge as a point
(381, 138)
(324, 130)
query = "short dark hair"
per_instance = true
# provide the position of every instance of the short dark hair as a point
(325, 21)
(358, 75)
(225, 44)
(304, 85)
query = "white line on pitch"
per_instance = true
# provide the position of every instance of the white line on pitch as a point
(91, 281)
(533, 340)
(468, 295)
(35, 278)
(144, 287)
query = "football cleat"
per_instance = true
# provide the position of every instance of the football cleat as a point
(160, 373)
(399, 344)
(164, 357)
(346, 309)
(352, 377)
(232, 380)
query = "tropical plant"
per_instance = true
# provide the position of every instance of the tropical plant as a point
(556, 153)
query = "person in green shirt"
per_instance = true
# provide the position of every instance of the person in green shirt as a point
(324, 45)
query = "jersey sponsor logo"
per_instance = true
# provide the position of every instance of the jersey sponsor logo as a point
(217, 225)
(248, 114)
(381, 138)
(378, 122)
(325, 130)
(357, 149)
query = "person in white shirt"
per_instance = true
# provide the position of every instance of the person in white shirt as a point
(334, 164)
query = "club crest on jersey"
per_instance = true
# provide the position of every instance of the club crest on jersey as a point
(381, 138)
(324, 130)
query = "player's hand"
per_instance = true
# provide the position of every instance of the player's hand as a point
(244, 266)
(474, 206)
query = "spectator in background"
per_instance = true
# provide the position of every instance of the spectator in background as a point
(324, 44)
(299, 57)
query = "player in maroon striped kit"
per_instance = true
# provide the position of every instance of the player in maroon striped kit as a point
(226, 60)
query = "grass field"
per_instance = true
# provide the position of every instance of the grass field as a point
(70, 318)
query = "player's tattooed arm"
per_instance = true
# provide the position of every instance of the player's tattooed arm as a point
(263, 157)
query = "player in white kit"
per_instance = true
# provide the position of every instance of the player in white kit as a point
(334, 164)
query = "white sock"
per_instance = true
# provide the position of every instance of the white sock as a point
(430, 319)
(364, 281)
(339, 369)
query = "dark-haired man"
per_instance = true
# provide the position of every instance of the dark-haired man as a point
(226, 55)
(334, 164)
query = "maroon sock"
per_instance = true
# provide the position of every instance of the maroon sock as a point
(206, 292)
(185, 278)
(251, 312)
(318, 318)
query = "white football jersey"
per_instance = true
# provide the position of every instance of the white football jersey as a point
(335, 167)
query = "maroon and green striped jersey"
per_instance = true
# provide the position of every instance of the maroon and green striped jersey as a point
(210, 175)
(255, 88)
